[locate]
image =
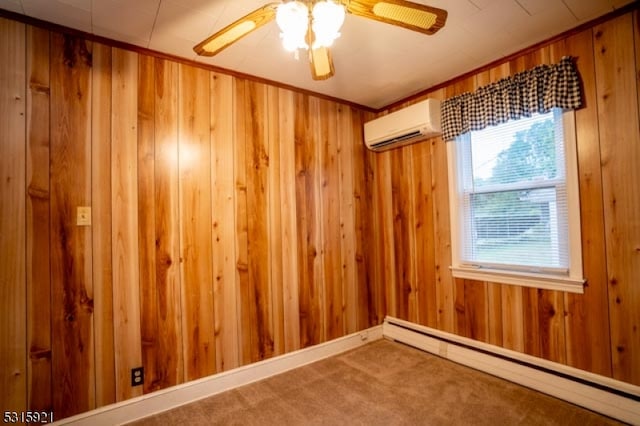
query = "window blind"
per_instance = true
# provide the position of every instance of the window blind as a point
(513, 196)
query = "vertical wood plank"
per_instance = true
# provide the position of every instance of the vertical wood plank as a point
(375, 265)
(385, 223)
(222, 210)
(424, 228)
(363, 222)
(71, 268)
(494, 313)
(169, 345)
(587, 315)
(403, 236)
(531, 321)
(552, 326)
(330, 213)
(620, 151)
(13, 291)
(258, 303)
(476, 311)
(194, 151)
(373, 181)
(38, 237)
(512, 324)
(158, 228)
(274, 205)
(242, 262)
(348, 231)
(289, 242)
(101, 225)
(445, 286)
(124, 202)
(311, 326)
(149, 327)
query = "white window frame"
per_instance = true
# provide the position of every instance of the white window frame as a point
(572, 281)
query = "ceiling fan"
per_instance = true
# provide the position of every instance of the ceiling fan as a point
(313, 25)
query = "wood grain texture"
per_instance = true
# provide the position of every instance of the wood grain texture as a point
(349, 234)
(194, 153)
(157, 223)
(241, 228)
(71, 248)
(476, 307)
(289, 224)
(367, 296)
(445, 287)
(403, 235)
(38, 238)
(423, 231)
(309, 243)
(124, 228)
(101, 225)
(225, 291)
(620, 156)
(13, 290)
(384, 208)
(149, 327)
(274, 216)
(256, 301)
(375, 265)
(169, 343)
(128, 125)
(204, 204)
(331, 254)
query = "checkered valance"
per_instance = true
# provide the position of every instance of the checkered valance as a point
(534, 91)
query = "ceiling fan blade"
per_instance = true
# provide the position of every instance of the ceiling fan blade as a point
(402, 13)
(235, 31)
(321, 63)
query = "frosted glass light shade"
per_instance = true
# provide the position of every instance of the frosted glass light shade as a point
(328, 18)
(293, 19)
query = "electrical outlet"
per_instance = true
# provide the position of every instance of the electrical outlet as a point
(137, 376)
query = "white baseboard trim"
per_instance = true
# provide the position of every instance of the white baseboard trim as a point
(166, 399)
(570, 384)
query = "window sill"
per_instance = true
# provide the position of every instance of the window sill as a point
(547, 282)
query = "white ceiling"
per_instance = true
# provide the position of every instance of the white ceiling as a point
(376, 64)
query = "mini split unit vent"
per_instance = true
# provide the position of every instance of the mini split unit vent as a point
(411, 124)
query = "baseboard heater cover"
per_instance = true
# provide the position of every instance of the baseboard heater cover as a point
(604, 395)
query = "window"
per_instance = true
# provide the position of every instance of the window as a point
(514, 203)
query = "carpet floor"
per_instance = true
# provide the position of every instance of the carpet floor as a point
(381, 383)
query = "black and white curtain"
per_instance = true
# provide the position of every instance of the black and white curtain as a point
(533, 91)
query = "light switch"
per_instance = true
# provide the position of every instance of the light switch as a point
(83, 216)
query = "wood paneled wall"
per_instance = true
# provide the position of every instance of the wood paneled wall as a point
(233, 221)
(229, 221)
(598, 331)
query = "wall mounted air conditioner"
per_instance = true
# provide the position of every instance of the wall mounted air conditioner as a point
(408, 125)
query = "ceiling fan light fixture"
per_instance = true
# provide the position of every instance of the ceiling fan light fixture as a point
(293, 19)
(328, 18)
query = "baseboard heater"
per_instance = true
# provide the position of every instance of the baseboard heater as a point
(604, 395)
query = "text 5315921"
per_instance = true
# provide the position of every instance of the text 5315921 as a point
(28, 417)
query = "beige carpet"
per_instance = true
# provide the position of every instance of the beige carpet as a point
(382, 383)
